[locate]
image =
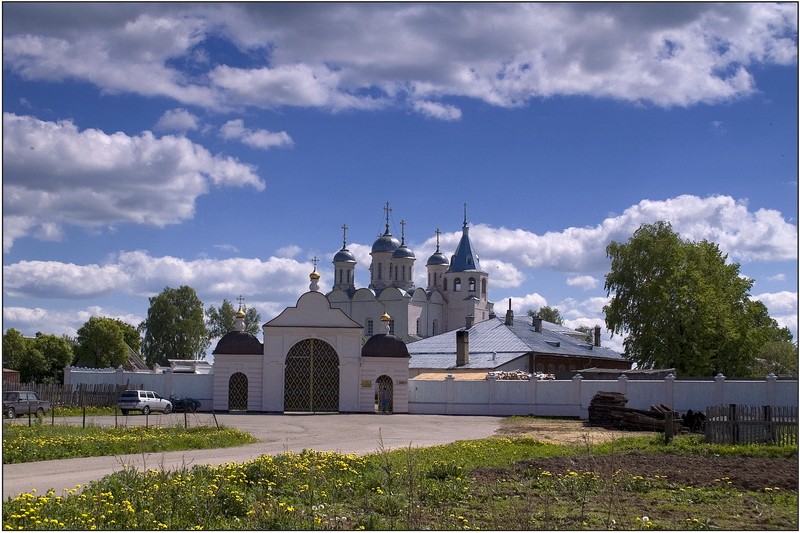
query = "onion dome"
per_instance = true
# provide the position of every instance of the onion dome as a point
(344, 256)
(385, 345)
(437, 258)
(385, 243)
(239, 343)
(403, 252)
(314, 275)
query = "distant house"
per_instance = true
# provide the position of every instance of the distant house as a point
(506, 344)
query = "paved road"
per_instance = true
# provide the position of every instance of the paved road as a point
(353, 433)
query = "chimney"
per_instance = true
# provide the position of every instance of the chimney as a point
(470, 321)
(537, 324)
(597, 335)
(509, 315)
(462, 347)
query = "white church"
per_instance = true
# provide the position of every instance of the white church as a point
(315, 357)
(457, 288)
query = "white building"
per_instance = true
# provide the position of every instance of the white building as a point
(456, 289)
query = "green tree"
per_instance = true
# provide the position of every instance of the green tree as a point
(680, 305)
(14, 346)
(550, 314)
(174, 327)
(101, 343)
(221, 321)
(57, 352)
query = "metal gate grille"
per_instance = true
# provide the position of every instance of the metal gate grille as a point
(312, 377)
(385, 394)
(237, 392)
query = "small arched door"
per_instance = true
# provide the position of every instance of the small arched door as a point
(237, 392)
(311, 378)
(385, 394)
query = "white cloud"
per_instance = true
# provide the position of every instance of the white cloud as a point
(179, 120)
(761, 235)
(49, 181)
(366, 56)
(777, 277)
(234, 129)
(584, 282)
(782, 307)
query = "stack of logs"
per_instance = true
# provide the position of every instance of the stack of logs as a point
(607, 409)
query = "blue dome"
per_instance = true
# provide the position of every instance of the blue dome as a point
(385, 243)
(403, 252)
(437, 259)
(344, 256)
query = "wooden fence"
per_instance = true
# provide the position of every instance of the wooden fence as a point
(751, 424)
(89, 395)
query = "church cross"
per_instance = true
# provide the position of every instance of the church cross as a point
(403, 231)
(315, 261)
(437, 238)
(344, 236)
(240, 299)
(388, 210)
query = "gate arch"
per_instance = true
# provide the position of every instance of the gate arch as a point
(237, 392)
(385, 394)
(311, 377)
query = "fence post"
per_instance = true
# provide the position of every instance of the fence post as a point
(448, 380)
(167, 372)
(576, 392)
(622, 384)
(719, 389)
(669, 390)
(492, 381)
(532, 391)
(770, 384)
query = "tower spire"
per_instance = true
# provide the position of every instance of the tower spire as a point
(465, 214)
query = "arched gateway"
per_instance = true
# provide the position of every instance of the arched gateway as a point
(311, 378)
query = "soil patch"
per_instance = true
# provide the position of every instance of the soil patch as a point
(744, 473)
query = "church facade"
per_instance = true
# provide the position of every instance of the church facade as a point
(456, 288)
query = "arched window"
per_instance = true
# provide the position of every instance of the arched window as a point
(471, 284)
(404, 272)
(380, 271)
(445, 284)
(341, 275)
(391, 327)
(418, 324)
(435, 327)
(457, 284)
(370, 327)
(483, 287)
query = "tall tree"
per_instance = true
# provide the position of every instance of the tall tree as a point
(19, 353)
(680, 305)
(57, 353)
(221, 321)
(174, 327)
(101, 343)
(549, 314)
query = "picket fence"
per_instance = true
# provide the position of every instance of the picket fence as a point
(82, 394)
(751, 424)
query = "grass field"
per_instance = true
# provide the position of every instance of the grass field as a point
(495, 483)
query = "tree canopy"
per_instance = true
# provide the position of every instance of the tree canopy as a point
(549, 314)
(103, 342)
(40, 359)
(174, 327)
(221, 321)
(681, 305)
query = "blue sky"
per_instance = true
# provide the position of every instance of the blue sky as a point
(222, 146)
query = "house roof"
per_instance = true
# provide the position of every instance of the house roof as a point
(493, 344)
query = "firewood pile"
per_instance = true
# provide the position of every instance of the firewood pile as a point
(510, 375)
(608, 409)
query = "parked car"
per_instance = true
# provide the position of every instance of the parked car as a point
(190, 405)
(23, 402)
(144, 401)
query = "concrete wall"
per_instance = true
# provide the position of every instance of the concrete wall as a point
(572, 397)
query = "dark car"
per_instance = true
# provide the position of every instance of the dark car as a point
(23, 402)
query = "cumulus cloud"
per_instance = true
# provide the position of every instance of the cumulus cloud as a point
(48, 180)
(235, 130)
(584, 282)
(366, 56)
(179, 120)
(782, 307)
(760, 235)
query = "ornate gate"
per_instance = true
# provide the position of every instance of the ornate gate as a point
(237, 392)
(311, 380)
(385, 394)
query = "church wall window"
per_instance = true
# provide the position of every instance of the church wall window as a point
(341, 275)
(391, 327)
(445, 284)
(435, 327)
(404, 273)
(380, 271)
(418, 324)
(457, 284)
(483, 287)
(370, 327)
(471, 284)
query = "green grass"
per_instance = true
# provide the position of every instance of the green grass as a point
(74, 410)
(481, 484)
(41, 442)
